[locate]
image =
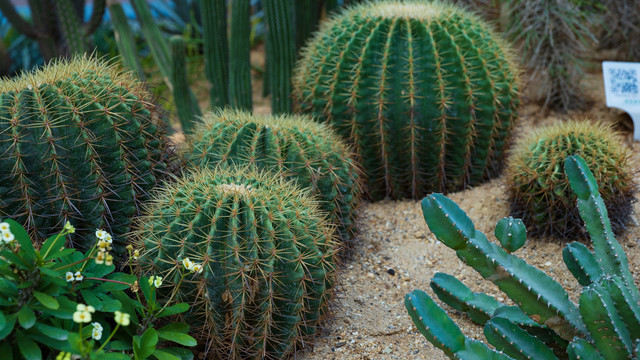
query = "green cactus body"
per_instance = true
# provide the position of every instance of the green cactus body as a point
(80, 141)
(511, 233)
(425, 91)
(301, 149)
(539, 191)
(267, 256)
(607, 325)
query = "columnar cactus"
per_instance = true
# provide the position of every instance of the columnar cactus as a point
(302, 150)
(545, 324)
(539, 191)
(425, 91)
(266, 252)
(79, 141)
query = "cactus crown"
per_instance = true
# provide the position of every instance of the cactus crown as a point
(297, 147)
(539, 191)
(545, 324)
(80, 141)
(267, 253)
(426, 92)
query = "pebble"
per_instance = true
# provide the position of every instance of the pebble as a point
(548, 263)
(391, 272)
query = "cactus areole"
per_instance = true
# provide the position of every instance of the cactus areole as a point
(426, 92)
(80, 141)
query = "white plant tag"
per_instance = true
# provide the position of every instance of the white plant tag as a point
(622, 89)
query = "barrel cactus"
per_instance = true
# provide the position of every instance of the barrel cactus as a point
(539, 191)
(266, 252)
(80, 141)
(425, 91)
(302, 150)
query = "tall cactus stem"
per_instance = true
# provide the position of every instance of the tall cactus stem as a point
(216, 49)
(184, 100)
(124, 39)
(239, 56)
(281, 37)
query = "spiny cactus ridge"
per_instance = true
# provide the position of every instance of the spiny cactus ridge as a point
(303, 151)
(539, 192)
(267, 253)
(424, 90)
(545, 324)
(80, 141)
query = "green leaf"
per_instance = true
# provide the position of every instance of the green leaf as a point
(148, 343)
(28, 348)
(14, 259)
(60, 254)
(177, 337)
(162, 355)
(119, 345)
(46, 300)
(113, 356)
(181, 353)
(26, 246)
(52, 331)
(6, 350)
(52, 246)
(111, 286)
(148, 291)
(26, 317)
(3, 321)
(174, 309)
(11, 322)
(176, 327)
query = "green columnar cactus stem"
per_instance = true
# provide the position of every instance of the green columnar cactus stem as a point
(239, 62)
(425, 91)
(79, 141)
(152, 34)
(306, 20)
(539, 191)
(267, 253)
(216, 49)
(303, 151)
(124, 39)
(608, 326)
(71, 26)
(282, 38)
(581, 262)
(183, 98)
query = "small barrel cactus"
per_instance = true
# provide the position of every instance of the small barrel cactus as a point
(80, 141)
(266, 252)
(539, 191)
(295, 146)
(425, 91)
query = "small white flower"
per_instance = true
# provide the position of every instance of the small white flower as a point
(100, 234)
(82, 316)
(155, 281)
(108, 238)
(4, 226)
(69, 276)
(69, 227)
(7, 236)
(109, 260)
(96, 334)
(100, 258)
(78, 276)
(188, 264)
(81, 307)
(122, 318)
(91, 309)
(197, 268)
(97, 326)
(136, 254)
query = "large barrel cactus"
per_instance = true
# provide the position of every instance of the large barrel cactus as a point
(266, 251)
(80, 141)
(300, 149)
(426, 92)
(539, 191)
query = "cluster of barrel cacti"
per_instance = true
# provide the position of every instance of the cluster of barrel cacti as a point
(545, 323)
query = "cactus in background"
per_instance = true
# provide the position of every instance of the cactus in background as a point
(425, 91)
(267, 254)
(185, 101)
(57, 25)
(303, 151)
(539, 192)
(279, 15)
(82, 142)
(239, 62)
(546, 324)
(124, 39)
(215, 45)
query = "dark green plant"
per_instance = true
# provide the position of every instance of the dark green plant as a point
(545, 324)
(57, 25)
(303, 151)
(57, 300)
(266, 254)
(539, 191)
(425, 91)
(80, 141)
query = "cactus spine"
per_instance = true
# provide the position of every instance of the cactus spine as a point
(540, 193)
(425, 91)
(546, 324)
(79, 141)
(267, 256)
(303, 151)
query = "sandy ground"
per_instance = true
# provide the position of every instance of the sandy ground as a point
(397, 254)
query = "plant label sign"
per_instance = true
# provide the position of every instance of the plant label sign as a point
(622, 89)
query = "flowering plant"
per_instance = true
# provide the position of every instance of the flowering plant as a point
(61, 303)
